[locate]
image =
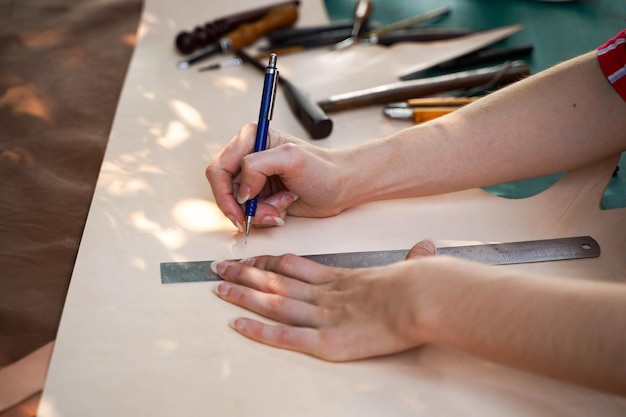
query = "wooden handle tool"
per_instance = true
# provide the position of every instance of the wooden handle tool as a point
(248, 33)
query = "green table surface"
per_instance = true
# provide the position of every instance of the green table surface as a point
(557, 30)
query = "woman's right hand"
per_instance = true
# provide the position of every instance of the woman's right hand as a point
(290, 177)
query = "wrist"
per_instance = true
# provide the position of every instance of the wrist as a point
(353, 176)
(446, 288)
(405, 164)
(371, 171)
(428, 303)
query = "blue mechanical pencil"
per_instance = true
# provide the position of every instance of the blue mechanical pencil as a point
(265, 115)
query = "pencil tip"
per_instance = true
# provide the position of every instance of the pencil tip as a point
(248, 226)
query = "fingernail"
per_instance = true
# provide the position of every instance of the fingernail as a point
(247, 261)
(236, 223)
(222, 289)
(273, 221)
(238, 324)
(243, 194)
(428, 246)
(218, 266)
(289, 198)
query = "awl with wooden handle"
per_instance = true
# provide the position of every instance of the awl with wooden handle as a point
(404, 90)
(187, 42)
(247, 34)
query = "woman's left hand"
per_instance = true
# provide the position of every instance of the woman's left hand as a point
(332, 313)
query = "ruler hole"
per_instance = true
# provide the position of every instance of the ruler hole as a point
(586, 246)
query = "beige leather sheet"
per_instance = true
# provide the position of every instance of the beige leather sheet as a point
(129, 346)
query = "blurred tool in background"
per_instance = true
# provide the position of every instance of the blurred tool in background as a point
(479, 79)
(489, 55)
(310, 115)
(246, 34)
(400, 31)
(421, 110)
(374, 36)
(361, 15)
(210, 32)
(276, 21)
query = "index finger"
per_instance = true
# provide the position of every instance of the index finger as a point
(297, 267)
(225, 167)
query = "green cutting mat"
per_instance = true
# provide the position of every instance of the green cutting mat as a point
(557, 30)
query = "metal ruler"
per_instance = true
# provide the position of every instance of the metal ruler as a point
(580, 247)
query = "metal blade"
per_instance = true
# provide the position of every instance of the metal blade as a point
(397, 112)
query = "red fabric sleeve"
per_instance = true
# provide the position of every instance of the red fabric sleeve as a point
(612, 59)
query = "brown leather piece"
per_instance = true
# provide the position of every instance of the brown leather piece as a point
(26, 408)
(62, 66)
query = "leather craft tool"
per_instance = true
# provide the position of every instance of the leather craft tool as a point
(201, 36)
(246, 34)
(404, 90)
(484, 56)
(420, 34)
(311, 116)
(385, 35)
(560, 249)
(421, 110)
(417, 114)
(402, 30)
(426, 34)
(438, 101)
(362, 12)
(476, 58)
(230, 62)
(280, 36)
(373, 36)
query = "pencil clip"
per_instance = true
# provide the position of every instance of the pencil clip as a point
(273, 99)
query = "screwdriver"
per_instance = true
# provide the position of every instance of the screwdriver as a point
(246, 34)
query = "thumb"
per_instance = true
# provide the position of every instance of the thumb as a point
(257, 167)
(420, 249)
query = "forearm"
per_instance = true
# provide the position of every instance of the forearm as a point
(563, 118)
(569, 330)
